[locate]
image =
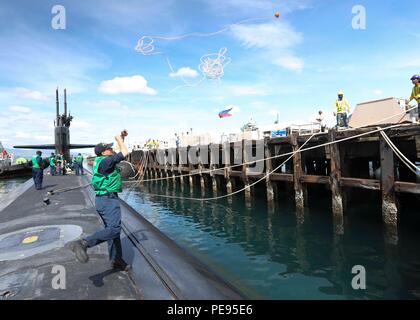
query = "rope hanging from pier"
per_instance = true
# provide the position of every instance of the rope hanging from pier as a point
(237, 191)
(286, 154)
(410, 165)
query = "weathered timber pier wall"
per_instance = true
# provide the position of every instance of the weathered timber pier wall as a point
(366, 163)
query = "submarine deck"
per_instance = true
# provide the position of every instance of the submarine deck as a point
(33, 239)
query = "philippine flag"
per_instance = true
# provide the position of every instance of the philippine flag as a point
(225, 113)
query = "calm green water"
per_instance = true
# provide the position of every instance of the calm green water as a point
(267, 254)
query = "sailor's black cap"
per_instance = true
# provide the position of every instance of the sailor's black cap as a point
(101, 147)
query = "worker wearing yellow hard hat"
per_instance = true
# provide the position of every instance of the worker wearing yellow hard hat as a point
(341, 110)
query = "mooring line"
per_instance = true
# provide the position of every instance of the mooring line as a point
(300, 150)
(237, 191)
(410, 165)
(286, 154)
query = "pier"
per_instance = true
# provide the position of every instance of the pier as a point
(349, 170)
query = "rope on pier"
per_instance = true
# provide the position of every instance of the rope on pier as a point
(237, 191)
(410, 165)
(286, 154)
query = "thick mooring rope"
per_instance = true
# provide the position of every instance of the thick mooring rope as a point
(237, 191)
(410, 165)
(286, 154)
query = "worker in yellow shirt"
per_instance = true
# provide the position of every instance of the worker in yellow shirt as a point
(415, 95)
(341, 110)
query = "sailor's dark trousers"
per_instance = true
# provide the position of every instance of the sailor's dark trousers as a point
(37, 175)
(108, 207)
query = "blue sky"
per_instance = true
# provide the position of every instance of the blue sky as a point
(292, 65)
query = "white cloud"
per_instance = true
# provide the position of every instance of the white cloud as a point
(19, 109)
(29, 94)
(290, 63)
(133, 84)
(378, 92)
(78, 124)
(235, 109)
(21, 134)
(185, 72)
(44, 138)
(268, 35)
(108, 104)
(276, 39)
(273, 112)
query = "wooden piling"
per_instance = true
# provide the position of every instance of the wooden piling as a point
(244, 175)
(299, 187)
(356, 165)
(389, 207)
(335, 177)
(270, 185)
(228, 170)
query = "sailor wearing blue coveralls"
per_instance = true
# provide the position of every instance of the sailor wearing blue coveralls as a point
(37, 170)
(106, 181)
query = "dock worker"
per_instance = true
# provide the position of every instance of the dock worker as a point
(51, 161)
(321, 120)
(106, 181)
(341, 110)
(415, 95)
(37, 169)
(78, 164)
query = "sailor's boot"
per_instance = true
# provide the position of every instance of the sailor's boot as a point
(79, 247)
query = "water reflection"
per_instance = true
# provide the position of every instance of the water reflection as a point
(272, 252)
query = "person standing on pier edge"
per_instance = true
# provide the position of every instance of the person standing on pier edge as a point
(415, 95)
(342, 108)
(37, 170)
(51, 160)
(106, 181)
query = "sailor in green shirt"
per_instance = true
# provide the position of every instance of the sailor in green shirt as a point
(51, 160)
(107, 183)
(37, 170)
(59, 164)
(78, 164)
(415, 95)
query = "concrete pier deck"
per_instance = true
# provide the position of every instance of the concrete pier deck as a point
(33, 239)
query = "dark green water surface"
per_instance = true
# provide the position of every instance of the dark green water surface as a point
(267, 254)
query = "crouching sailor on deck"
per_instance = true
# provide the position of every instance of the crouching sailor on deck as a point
(37, 170)
(106, 181)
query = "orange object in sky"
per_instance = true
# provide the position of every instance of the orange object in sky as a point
(277, 14)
